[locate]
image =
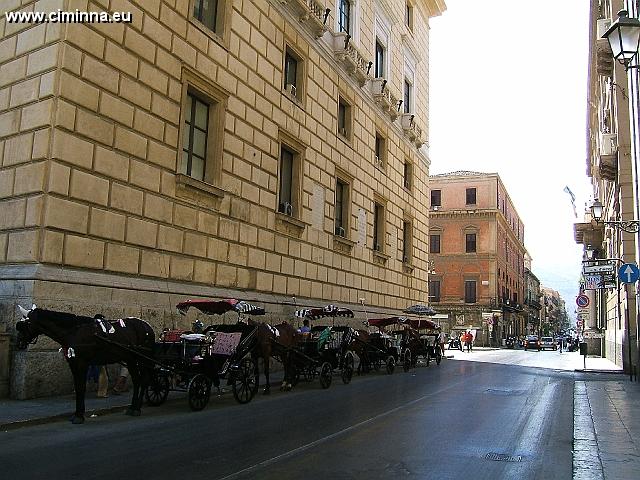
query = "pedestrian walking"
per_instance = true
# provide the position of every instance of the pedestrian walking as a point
(560, 344)
(469, 341)
(442, 339)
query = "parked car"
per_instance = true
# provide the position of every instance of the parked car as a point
(548, 342)
(510, 342)
(532, 342)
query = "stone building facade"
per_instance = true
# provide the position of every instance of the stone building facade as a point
(477, 249)
(532, 299)
(268, 150)
(612, 165)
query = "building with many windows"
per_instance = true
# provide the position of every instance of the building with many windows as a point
(270, 150)
(532, 298)
(476, 244)
(612, 165)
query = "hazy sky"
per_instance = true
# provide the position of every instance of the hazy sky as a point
(508, 83)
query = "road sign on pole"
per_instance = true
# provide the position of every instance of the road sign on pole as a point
(606, 267)
(582, 300)
(628, 273)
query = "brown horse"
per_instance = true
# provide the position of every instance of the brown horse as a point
(275, 342)
(93, 341)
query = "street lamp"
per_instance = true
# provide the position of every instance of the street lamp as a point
(624, 38)
(629, 226)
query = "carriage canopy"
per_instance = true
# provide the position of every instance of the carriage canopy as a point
(219, 307)
(420, 310)
(385, 322)
(423, 323)
(327, 311)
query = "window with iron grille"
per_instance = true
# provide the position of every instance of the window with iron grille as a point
(195, 134)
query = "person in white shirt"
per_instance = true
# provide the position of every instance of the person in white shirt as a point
(442, 339)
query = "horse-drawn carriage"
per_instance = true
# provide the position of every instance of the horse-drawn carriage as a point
(192, 362)
(379, 348)
(424, 343)
(324, 348)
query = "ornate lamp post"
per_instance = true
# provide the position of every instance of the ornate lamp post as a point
(624, 39)
(630, 226)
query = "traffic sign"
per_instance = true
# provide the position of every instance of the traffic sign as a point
(606, 267)
(582, 300)
(628, 273)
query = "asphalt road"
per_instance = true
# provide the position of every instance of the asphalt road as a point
(460, 420)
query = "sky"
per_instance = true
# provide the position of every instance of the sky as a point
(507, 94)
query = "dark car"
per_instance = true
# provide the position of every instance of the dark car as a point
(532, 343)
(510, 342)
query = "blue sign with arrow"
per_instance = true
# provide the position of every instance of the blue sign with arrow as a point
(629, 273)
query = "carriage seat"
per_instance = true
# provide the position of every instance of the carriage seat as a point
(193, 337)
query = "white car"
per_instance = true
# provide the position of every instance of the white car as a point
(548, 342)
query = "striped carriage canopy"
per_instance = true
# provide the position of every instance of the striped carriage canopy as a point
(327, 311)
(385, 322)
(219, 307)
(420, 310)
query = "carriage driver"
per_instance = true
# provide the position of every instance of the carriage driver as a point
(305, 328)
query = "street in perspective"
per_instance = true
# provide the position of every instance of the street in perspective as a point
(347, 239)
(532, 412)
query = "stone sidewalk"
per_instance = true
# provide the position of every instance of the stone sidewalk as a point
(606, 428)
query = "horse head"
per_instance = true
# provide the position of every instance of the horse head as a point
(27, 330)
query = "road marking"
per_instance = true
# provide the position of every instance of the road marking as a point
(295, 451)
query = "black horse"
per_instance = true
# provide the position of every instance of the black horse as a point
(94, 341)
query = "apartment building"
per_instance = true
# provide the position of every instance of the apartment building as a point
(532, 298)
(269, 150)
(613, 158)
(476, 244)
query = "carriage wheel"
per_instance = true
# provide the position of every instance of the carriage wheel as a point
(326, 374)
(245, 381)
(347, 368)
(157, 391)
(391, 364)
(406, 361)
(198, 392)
